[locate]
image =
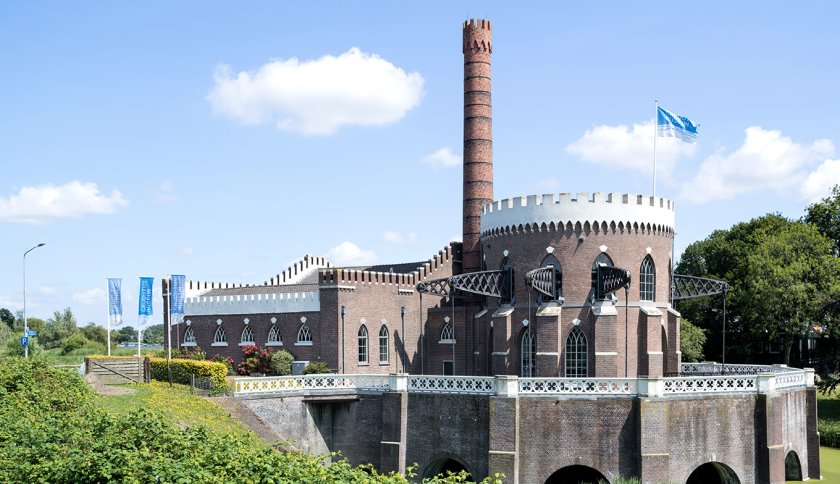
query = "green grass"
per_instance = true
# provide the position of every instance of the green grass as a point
(177, 404)
(830, 465)
(76, 357)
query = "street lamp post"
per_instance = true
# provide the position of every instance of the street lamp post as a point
(25, 324)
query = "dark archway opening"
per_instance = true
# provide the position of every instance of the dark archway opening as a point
(444, 467)
(793, 469)
(713, 473)
(576, 474)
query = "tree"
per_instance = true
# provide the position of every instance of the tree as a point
(58, 328)
(95, 333)
(153, 335)
(125, 334)
(692, 339)
(7, 318)
(825, 215)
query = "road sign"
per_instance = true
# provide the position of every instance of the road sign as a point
(24, 341)
(31, 333)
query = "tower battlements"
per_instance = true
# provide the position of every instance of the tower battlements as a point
(652, 213)
(352, 277)
(477, 36)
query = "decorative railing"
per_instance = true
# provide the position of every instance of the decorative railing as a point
(791, 379)
(710, 368)
(469, 385)
(308, 383)
(570, 386)
(710, 384)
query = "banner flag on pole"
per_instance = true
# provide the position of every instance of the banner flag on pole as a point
(670, 125)
(144, 312)
(115, 308)
(176, 298)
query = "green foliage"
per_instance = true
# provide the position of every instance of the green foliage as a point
(828, 410)
(254, 360)
(7, 318)
(280, 363)
(316, 367)
(58, 328)
(825, 215)
(225, 360)
(692, 339)
(12, 346)
(182, 371)
(95, 333)
(153, 335)
(125, 334)
(73, 343)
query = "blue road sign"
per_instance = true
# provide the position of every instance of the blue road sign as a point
(24, 341)
(31, 333)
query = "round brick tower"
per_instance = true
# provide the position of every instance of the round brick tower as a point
(478, 137)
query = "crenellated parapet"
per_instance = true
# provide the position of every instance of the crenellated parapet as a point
(296, 272)
(612, 212)
(272, 303)
(354, 277)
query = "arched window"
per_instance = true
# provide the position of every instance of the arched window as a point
(577, 355)
(274, 338)
(189, 337)
(550, 260)
(383, 344)
(528, 352)
(220, 338)
(604, 259)
(647, 280)
(363, 344)
(446, 334)
(247, 337)
(304, 336)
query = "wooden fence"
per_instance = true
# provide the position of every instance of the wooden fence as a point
(112, 371)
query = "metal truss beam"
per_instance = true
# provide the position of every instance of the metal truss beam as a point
(486, 283)
(543, 280)
(610, 279)
(688, 287)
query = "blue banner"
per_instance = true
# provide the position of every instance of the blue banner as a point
(115, 308)
(673, 125)
(176, 297)
(145, 307)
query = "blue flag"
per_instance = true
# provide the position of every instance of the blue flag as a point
(144, 311)
(115, 308)
(176, 297)
(670, 125)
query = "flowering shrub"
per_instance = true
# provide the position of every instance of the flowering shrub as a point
(225, 360)
(182, 371)
(195, 354)
(255, 360)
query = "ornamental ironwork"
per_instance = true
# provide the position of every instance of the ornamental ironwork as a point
(687, 287)
(610, 279)
(435, 287)
(543, 280)
(485, 283)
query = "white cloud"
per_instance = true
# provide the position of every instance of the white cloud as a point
(631, 148)
(10, 303)
(317, 97)
(442, 158)
(165, 194)
(349, 254)
(398, 238)
(819, 182)
(186, 251)
(72, 200)
(766, 160)
(48, 290)
(91, 297)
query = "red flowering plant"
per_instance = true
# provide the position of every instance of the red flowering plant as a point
(254, 360)
(227, 361)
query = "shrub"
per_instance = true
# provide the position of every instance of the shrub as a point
(74, 342)
(280, 363)
(225, 360)
(316, 367)
(254, 360)
(182, 371)
(13, 347)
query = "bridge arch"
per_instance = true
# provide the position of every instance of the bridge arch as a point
(444, 465)
(576, 474)
(793, 467)
(713, 473)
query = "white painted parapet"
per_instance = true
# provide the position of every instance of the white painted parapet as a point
(291, 302)
(562, 209)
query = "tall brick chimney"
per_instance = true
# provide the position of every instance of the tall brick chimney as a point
(478, 137)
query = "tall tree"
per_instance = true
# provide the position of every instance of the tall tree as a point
(825, 215)
(7, 318)
(58, 328)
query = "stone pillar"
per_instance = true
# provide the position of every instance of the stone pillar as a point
(769, 445)
(811, 469)
(547, 330)
(673, 356)
(394, 424)
(606, 351)
(502, 341)
(503, 455)
(654, 459)
(650, 348)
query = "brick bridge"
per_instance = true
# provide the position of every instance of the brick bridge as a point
(752, 424)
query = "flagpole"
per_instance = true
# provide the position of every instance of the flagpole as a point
(108, 311)
(655, 134)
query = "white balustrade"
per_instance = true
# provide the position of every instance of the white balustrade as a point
(711, 384)
(469, 385)
(791, 379)
(295, 384)
(573, 386)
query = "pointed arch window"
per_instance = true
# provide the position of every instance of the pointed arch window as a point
(247, 337)
(304, 336)
(383, 344)
(577, 355)
(647, 279)
(528, 353)
(604, 259)
(274, 337)
(189, 337)
(550, 260)
(363, 344)
(447, 336)
(220, 338)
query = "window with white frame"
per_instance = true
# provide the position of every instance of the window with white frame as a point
(577, 355)
(447, 335)
(274, 337)
(220, 338)
(528, 352)
(304, 336)
(363, 344)
(247, 337)
(189, 337)
(383, 344)
(647, 280)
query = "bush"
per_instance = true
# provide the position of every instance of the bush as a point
(13, 347)
(316, 367)
(225, 360)
(280, 363)
(182, 371)
(74, 342)
(254, 361)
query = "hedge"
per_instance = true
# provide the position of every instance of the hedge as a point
(183, 369)
(829, 432)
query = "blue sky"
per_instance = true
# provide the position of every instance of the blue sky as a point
(223, 141)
